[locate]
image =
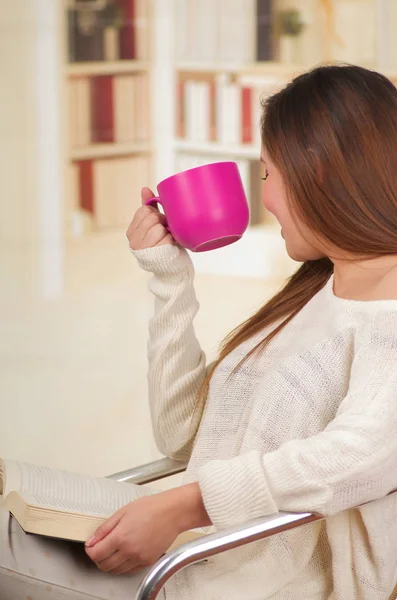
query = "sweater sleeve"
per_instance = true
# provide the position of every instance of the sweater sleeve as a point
(352, 461)
(177, 365)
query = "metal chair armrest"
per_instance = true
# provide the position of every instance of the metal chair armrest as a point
(215, 543)
(150, 471)
(208, 545)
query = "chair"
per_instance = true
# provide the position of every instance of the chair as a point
(208, 545)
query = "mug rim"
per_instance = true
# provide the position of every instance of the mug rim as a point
(221, 162)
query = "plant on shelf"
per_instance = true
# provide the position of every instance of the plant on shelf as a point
(93, 29)
(90, 12)
(289, 26)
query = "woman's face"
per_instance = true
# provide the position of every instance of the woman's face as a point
(300, 243)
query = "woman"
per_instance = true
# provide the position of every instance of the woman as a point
(299, 413)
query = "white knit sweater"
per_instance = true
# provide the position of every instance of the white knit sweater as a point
(311, 425)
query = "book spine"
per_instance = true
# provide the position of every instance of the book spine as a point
(102, 109)
(230, 109)
(73, 187)
(83, 111)
(111, 43)
(142, 30)
(190, 115)
(72, 109)
(131, 107)
(204, 31)
(182, 40)
(244, 170)
(264, 41)
(212, 108)
(86, 188)
(256, 116)
(106, 191)
(132, 175)
(246, 117)
(248, 17)
(221, 114)
(141, 95)
(180, 108)
(202, 95)
(119, 108)
(127, 41)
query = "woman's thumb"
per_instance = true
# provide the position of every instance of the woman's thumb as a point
(146, 194)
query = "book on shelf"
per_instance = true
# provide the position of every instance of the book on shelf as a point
(108, 189)
(220, 109)
(117, 184)
(264, 30)
(85, 188)
(240, 32)
(85, 35)
(127, 39)
(62, 504)
(124, 106)
(223, 31)
(236, 31)
(247, 124)
(114, 30)
(108, 109)
(229, 111)
(79, 102)
(102, 109)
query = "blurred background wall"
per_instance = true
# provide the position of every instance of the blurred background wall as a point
(101, 97)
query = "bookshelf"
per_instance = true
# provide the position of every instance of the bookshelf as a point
(236, 57)
(213, 43)
(107, 79)
(108, 150)
(215, 149)
(112, 67)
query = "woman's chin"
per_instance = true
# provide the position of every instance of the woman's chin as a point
(300, 254)
(296, 256)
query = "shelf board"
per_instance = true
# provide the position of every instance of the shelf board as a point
(243, 151)
(106, 67)
(255, 68)
(263, 68)
(108, 150)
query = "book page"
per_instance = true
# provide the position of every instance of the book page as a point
(61, 505)
(74, 492)
(9, 477)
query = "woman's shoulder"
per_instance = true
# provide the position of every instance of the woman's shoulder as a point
(376, 333)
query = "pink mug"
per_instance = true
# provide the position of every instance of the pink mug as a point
(205, 207)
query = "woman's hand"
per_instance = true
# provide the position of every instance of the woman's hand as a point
(142, 531)
(147, 228)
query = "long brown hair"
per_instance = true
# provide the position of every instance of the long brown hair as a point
(332, 134)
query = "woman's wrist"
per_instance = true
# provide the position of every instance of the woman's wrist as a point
(188, 507)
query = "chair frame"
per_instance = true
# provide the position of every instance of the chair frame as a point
(208, 545)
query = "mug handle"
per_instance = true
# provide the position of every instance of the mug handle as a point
(154, 202)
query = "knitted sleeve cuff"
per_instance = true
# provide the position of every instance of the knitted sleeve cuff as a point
(235, 490)
(164, 260)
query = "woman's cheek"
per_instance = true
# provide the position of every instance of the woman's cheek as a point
(269, 203)
(266, 200)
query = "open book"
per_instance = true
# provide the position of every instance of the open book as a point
(65, 505)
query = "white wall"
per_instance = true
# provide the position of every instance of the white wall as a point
(73, 370)
(73, 331)
(30, 157)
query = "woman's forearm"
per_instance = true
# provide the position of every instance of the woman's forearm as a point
(187, 507)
